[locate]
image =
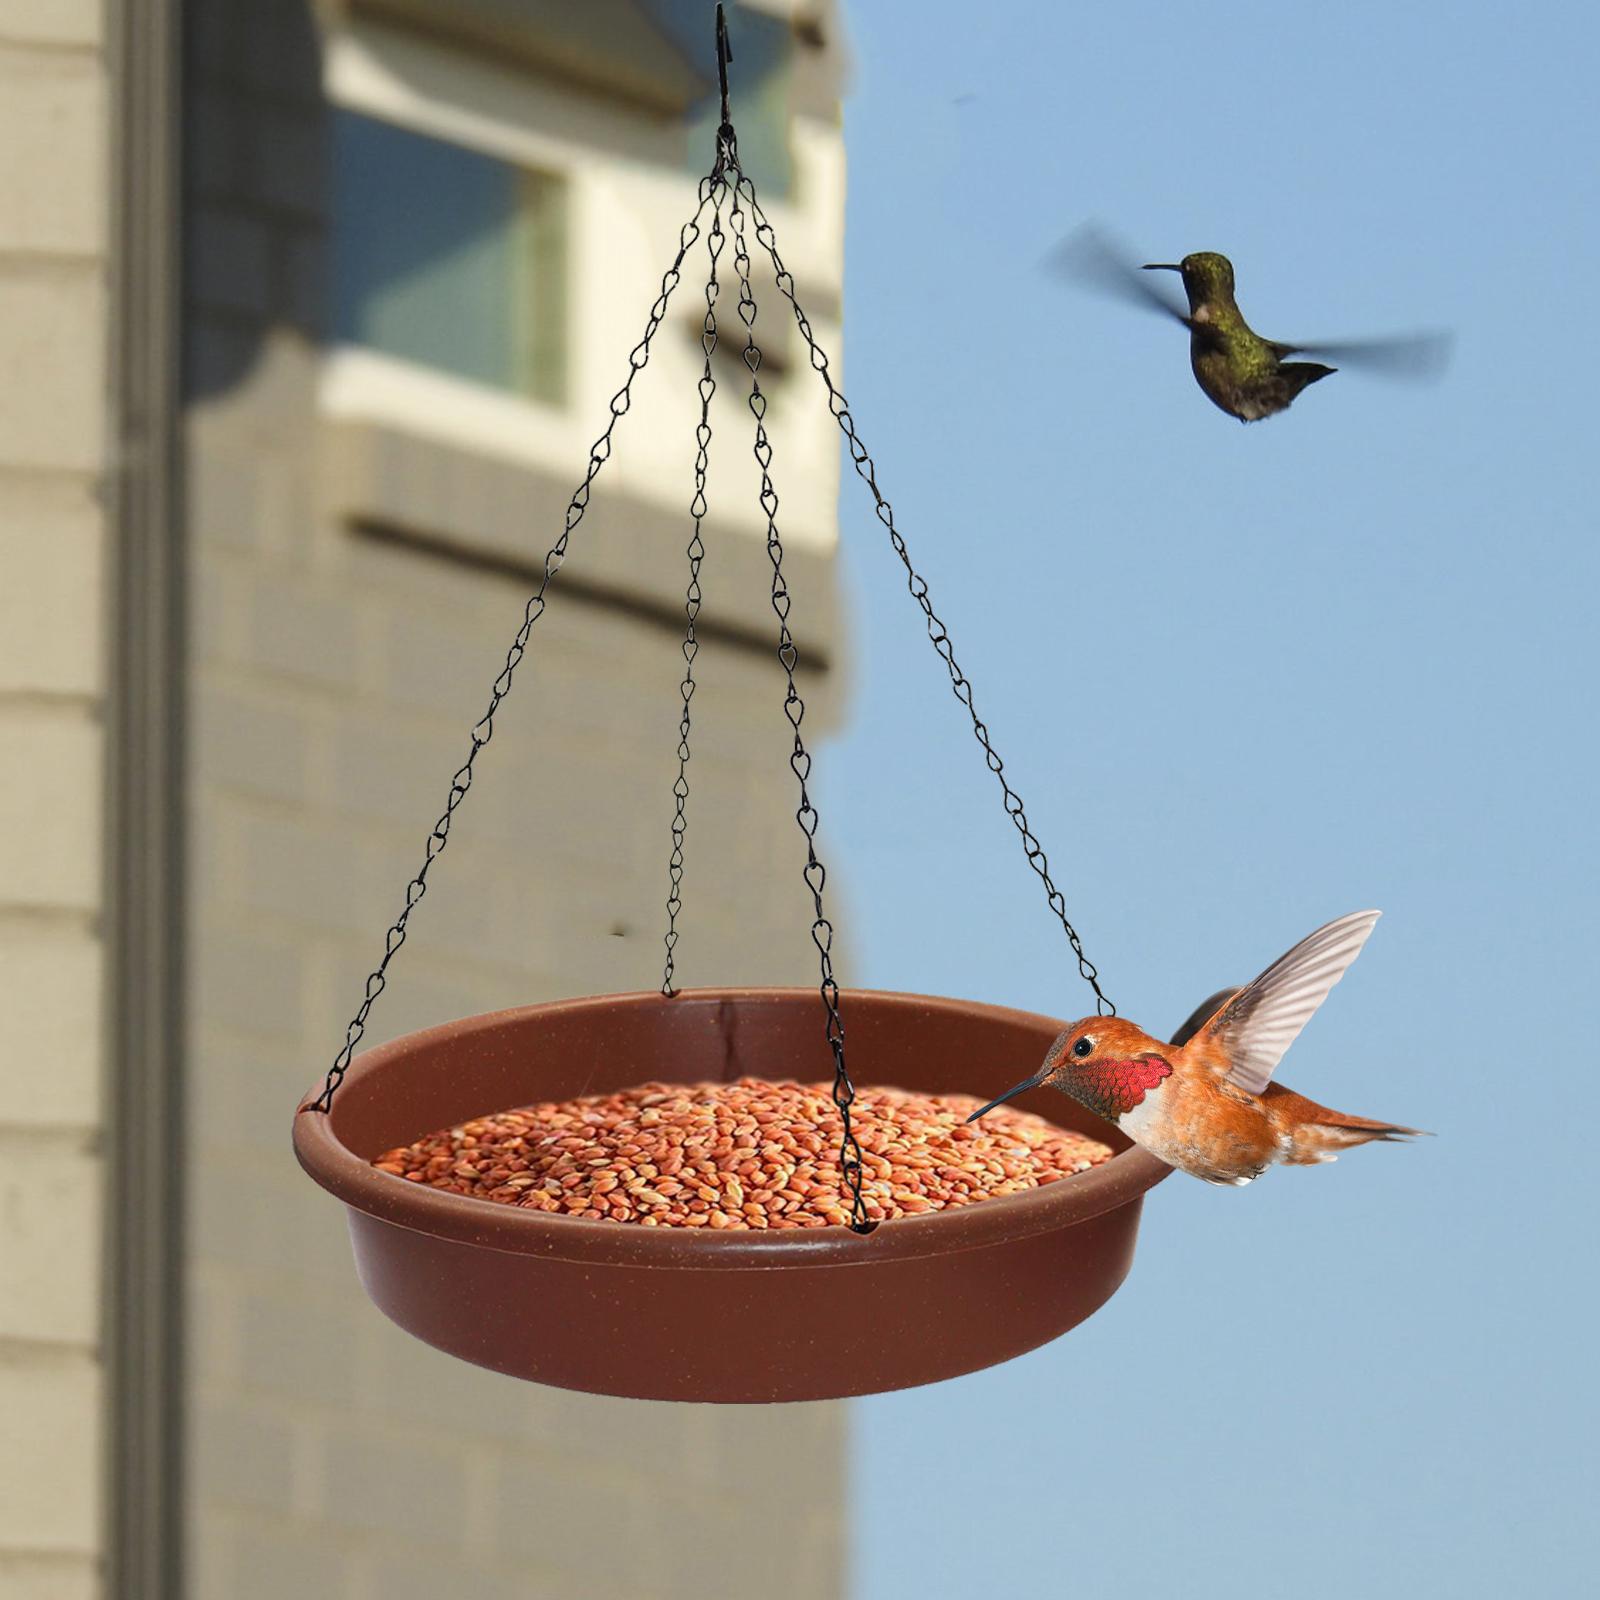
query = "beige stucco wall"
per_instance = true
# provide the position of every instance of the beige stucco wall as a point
(53, 242)
(336, 677)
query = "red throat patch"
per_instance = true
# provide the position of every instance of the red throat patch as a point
(1114, 1088)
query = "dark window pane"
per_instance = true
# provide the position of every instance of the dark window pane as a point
(446, 257)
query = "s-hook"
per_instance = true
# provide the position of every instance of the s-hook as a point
(727, 148)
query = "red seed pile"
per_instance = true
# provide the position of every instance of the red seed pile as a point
(748, 1154)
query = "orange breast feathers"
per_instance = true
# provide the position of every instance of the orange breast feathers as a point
(1217, 1128)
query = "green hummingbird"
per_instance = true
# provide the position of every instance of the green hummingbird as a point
(1245, 375)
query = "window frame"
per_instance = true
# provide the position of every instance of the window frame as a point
(434, 93)
(530, 327)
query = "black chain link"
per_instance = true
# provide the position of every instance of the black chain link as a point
(867, 471)
(715, 239)
(815, 874)
(483, 730)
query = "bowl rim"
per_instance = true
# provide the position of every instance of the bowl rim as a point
(484, 1224)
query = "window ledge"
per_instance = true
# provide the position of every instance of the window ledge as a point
(446, 467)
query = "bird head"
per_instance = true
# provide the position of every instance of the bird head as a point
(1206, 276)
(1105, 1063)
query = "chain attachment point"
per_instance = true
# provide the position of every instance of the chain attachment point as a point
(727, 144)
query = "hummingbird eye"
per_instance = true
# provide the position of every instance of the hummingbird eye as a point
(1083, 1046)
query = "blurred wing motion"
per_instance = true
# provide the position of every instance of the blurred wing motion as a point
(1090, 258)
(1421, 357)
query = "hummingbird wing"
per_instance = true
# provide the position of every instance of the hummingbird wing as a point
(1265, 1017)
(1418, 356)
(1090, 258)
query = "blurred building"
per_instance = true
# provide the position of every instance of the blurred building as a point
(309, 325)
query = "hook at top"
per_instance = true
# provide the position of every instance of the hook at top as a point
(724, 56)
(726, 149)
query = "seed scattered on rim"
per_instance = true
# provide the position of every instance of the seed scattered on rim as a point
(749, 1154)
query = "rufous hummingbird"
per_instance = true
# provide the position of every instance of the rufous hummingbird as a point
(1245, 375)
(1209, 1106)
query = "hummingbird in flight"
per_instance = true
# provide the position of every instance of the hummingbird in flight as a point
(1209, 1106)
(1245, 375)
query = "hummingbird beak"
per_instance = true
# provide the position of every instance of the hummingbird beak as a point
(1016, 1089)
(1162, 266)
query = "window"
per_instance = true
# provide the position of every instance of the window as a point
(448, 257)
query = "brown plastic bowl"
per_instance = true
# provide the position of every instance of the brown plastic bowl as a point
(675, 1314)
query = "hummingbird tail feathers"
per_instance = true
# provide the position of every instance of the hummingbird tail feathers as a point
(1322, 1140)
(1314, 1133)
(1302, 374)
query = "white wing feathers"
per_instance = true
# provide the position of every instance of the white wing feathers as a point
(1264, 1018)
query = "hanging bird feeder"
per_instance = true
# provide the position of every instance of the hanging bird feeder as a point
(738, 1314)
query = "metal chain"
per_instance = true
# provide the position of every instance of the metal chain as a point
(815, 874)
(728, 177)
(483, 730)
(867, 471)
(715, 239)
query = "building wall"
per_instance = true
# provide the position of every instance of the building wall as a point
(53, 260)
(354, 588)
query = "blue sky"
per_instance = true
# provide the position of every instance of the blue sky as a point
(1247, 679)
